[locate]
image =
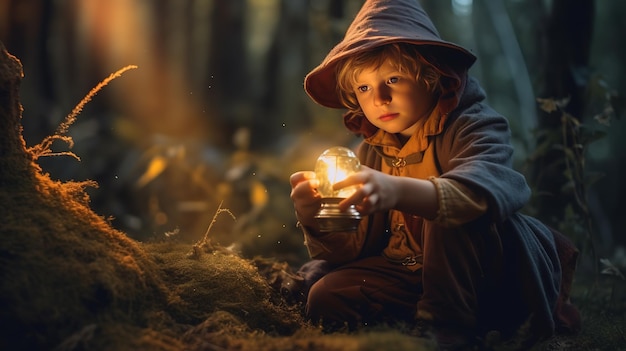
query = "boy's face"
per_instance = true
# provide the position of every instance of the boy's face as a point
(391, 100)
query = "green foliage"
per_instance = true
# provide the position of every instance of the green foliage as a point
(572, 138)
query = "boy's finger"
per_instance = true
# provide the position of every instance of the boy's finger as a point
(351, 180)
(301, 176)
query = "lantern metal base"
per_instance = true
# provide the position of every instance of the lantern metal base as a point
(331, 219)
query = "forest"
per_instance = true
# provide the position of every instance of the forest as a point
(180, 164)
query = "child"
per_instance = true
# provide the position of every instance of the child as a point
(441, 242)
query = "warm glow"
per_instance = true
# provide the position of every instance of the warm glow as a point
(334, 174)
(334, 165)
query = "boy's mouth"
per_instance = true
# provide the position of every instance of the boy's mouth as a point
(388, 117)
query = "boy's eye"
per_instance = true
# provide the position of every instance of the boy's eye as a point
(362, 88)
(392, 80)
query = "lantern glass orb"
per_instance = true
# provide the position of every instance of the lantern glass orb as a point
(332, 166)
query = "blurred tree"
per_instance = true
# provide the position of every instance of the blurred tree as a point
(566, 47)
(509, 84)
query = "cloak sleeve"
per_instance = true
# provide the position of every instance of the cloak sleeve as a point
(457, 203)
(476, 151)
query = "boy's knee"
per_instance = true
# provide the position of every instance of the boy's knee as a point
(318, 300)
(332, 306)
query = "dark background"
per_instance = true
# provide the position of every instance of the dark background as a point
(215, 112)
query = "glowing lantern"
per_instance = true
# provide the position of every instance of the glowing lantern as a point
(332, 166)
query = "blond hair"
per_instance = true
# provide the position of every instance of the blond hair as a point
(404, 57)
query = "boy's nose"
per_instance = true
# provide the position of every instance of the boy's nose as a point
(382, 96)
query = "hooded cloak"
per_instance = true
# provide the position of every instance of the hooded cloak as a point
(381, 22)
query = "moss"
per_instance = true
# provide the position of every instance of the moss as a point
(219, 280)
(62, 267)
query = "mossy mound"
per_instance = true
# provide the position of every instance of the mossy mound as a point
(64, 272)
(219, 280)
(224, 331)
(69, 281)
(62, 268)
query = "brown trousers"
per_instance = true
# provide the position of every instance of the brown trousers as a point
(367, 291)
(373, 290)
(464, 276)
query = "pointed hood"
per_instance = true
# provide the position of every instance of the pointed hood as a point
(382, 22)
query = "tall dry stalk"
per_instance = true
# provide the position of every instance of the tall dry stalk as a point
(205, 242)
(44, 148)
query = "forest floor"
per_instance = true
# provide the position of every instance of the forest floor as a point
(601, 300)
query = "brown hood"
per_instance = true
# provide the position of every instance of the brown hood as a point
(382, 22)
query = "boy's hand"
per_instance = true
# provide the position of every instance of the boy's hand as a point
(376, 191)
(306, 199)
